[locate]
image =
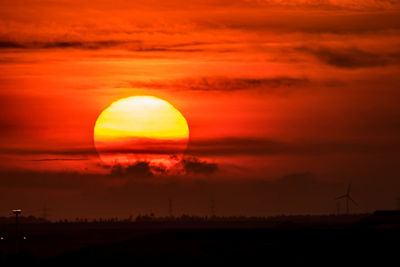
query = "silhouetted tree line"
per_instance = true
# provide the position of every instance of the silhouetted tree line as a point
(192, 218)
(23, 219)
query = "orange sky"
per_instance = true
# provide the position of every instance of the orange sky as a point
(269, 89)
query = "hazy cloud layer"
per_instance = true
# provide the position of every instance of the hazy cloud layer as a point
(59, 159)
(125, 44)
(254, 146)
(82, 195)
(352, 58)
(225, 83)
(59, 44)
(232, 146)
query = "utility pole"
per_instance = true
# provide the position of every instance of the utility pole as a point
(16, 212)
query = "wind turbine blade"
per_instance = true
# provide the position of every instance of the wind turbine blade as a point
(352, 200)
(344, 196)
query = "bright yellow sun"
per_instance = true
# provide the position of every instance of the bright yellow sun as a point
(141, 128)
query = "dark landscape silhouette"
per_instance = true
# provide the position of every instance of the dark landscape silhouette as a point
(147, 239)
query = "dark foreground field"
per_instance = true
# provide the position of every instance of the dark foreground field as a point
(357, 240)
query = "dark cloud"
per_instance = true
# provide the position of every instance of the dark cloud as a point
(256, 4)
(73, 151)
(11, 45)
(361, 5)
(60, 44)
(62, 180)
(196, 166)
(320, 4)
(140, 169)
(60, 159)
(352, 58)
(144, 169)
(131, 45)
(226, 83)
(334, 22)
(7, 127)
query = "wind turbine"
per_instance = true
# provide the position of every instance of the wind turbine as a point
(348, 199)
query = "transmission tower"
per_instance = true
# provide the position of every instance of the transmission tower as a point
(212, 208)
(170, 210)
(44, 212)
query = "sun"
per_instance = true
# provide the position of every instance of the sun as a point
(141, 128)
